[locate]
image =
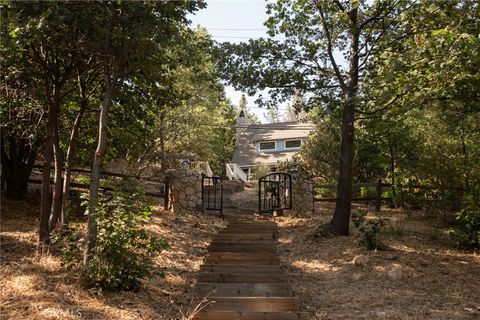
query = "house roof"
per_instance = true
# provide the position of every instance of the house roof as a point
(245, 153)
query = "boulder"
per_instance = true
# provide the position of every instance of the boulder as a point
(395, 274)
(360, 260)
(357, 276)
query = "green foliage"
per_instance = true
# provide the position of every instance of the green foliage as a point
(468, 220)
(70, 242)
(369, 231)
(261, 171)
(124, 250)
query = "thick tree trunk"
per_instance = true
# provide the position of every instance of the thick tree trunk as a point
(97, 165)
(69, 158)
(341, 217)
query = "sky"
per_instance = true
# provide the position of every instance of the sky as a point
(235, 21)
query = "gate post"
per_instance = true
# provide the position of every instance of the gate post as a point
(186, 191)
(302, 196)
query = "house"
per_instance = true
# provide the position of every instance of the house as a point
(264, 145)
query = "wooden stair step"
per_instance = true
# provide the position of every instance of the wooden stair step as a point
(230, 247)
(243, 261)
(241, 268)
(248, 230)
(253, 224)
(245, 236)
(242, 255)
(245, 241)
(244, 289)
(261, 304)
(241, 258)
(250, 315)
(209, 277)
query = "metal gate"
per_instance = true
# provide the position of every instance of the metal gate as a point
(274, 193)
(212, 194)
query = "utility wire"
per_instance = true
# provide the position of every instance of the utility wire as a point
(236, 29)
(235, 37)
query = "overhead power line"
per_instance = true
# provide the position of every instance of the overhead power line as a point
(236, 29)
(239, 37)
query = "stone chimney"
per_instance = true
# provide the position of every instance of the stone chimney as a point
(242, 122)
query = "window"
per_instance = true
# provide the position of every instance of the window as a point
(267, 145)
(293, 144)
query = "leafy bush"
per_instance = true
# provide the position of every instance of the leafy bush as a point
(261, 171)
(468, 220)
(124, 251)
(369, 231)
(70, 241)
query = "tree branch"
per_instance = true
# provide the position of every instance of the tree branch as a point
(330, 47)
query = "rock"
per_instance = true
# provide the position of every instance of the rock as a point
(357, 276)
(395, 274)
(381, 314)
(360, 260)
(308, 214)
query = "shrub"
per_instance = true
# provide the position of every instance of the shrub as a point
(468, 220)
(124, 250)
(369, 231)
(70, 242)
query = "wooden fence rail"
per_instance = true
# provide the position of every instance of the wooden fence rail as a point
(379, 185)
(87, 187)
(378, 193)
(105, 173)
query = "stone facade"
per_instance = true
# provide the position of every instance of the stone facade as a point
(302, 196)
(186, 191)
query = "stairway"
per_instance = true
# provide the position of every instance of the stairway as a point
(242, 275)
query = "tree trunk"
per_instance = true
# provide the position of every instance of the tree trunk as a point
(17, 165)
(466, 162)
(57, 190)
(44, 234)
(392, 171)
(69, 158)
(97, 164)
(341, 217)
(11, 170)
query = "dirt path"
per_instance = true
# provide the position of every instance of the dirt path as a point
(242, 276)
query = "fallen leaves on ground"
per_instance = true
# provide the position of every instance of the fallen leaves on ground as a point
(437, 281)
(38, 287)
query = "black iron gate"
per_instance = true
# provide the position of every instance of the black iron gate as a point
(212, 194)
(274, 193)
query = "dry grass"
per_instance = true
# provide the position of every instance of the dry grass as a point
(438, 281)
(38, 287)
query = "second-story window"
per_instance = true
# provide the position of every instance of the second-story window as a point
(293, 144)
(267, 145)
